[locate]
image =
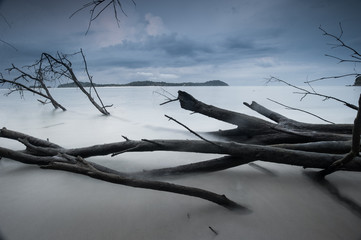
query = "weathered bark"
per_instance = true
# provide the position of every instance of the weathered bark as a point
(257, 131)
(251, 126)
(333, 147)
(355, 147)
(9, 134)
(296, 125)
(245, 152)
(79, 165)
(86, 169)
(212, 165)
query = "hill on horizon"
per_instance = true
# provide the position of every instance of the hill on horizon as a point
(148, 83)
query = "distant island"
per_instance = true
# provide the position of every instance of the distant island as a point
(216, 83)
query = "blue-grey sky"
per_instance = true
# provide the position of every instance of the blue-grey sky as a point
(237, 41)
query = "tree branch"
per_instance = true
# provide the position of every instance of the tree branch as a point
(340, 43)
(355, 147)
(97, 7)
(306, 92)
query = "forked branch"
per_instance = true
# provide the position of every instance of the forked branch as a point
(305, 92)
(50, 69)
(97, 7)
(355, 55)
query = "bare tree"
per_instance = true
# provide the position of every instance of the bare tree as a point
(34, 81)
(51, 69)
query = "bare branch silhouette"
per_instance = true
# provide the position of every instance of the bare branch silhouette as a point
(355, 56)
(51, 69)
(305, 92)
(97, 7)
(297, 109)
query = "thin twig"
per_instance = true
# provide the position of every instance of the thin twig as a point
(126, 139)
(333, 77)
(171, 100)
(167, 97)
(90, 78)
(9, 25)
(306, 92)
(214, 231)
(193, 132)
(97, 7)
(355, 54)
(10, 45)
(297, 109)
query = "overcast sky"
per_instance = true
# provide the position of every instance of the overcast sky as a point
(237, 41)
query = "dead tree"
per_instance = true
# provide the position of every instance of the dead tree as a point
(328, 147)
(33, 81)
(51, 69)
(42, 153)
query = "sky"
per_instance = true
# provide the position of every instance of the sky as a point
(241, 42)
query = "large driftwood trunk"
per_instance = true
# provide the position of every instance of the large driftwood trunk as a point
(257, 131)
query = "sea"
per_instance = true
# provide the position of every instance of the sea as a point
(284, 203)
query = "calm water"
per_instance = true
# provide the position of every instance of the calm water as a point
(45, 204)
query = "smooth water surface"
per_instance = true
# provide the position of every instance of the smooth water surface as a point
(46, 204)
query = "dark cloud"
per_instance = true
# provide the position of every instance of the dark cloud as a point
(236, 43)
(123, 61)
(158, 51)
(172, 50)
(184, 33)
(176, 46)
(172, 45)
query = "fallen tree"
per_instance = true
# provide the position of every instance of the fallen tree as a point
(328, 147)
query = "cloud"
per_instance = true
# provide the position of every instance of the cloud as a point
(154, 51)
(155, 25)
(237, 43)
(266, 62)
(145, 74)
(156, 75)
(168, 76)
(178, 46)
(174, 50)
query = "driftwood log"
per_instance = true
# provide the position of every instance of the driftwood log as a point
(328, 147)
